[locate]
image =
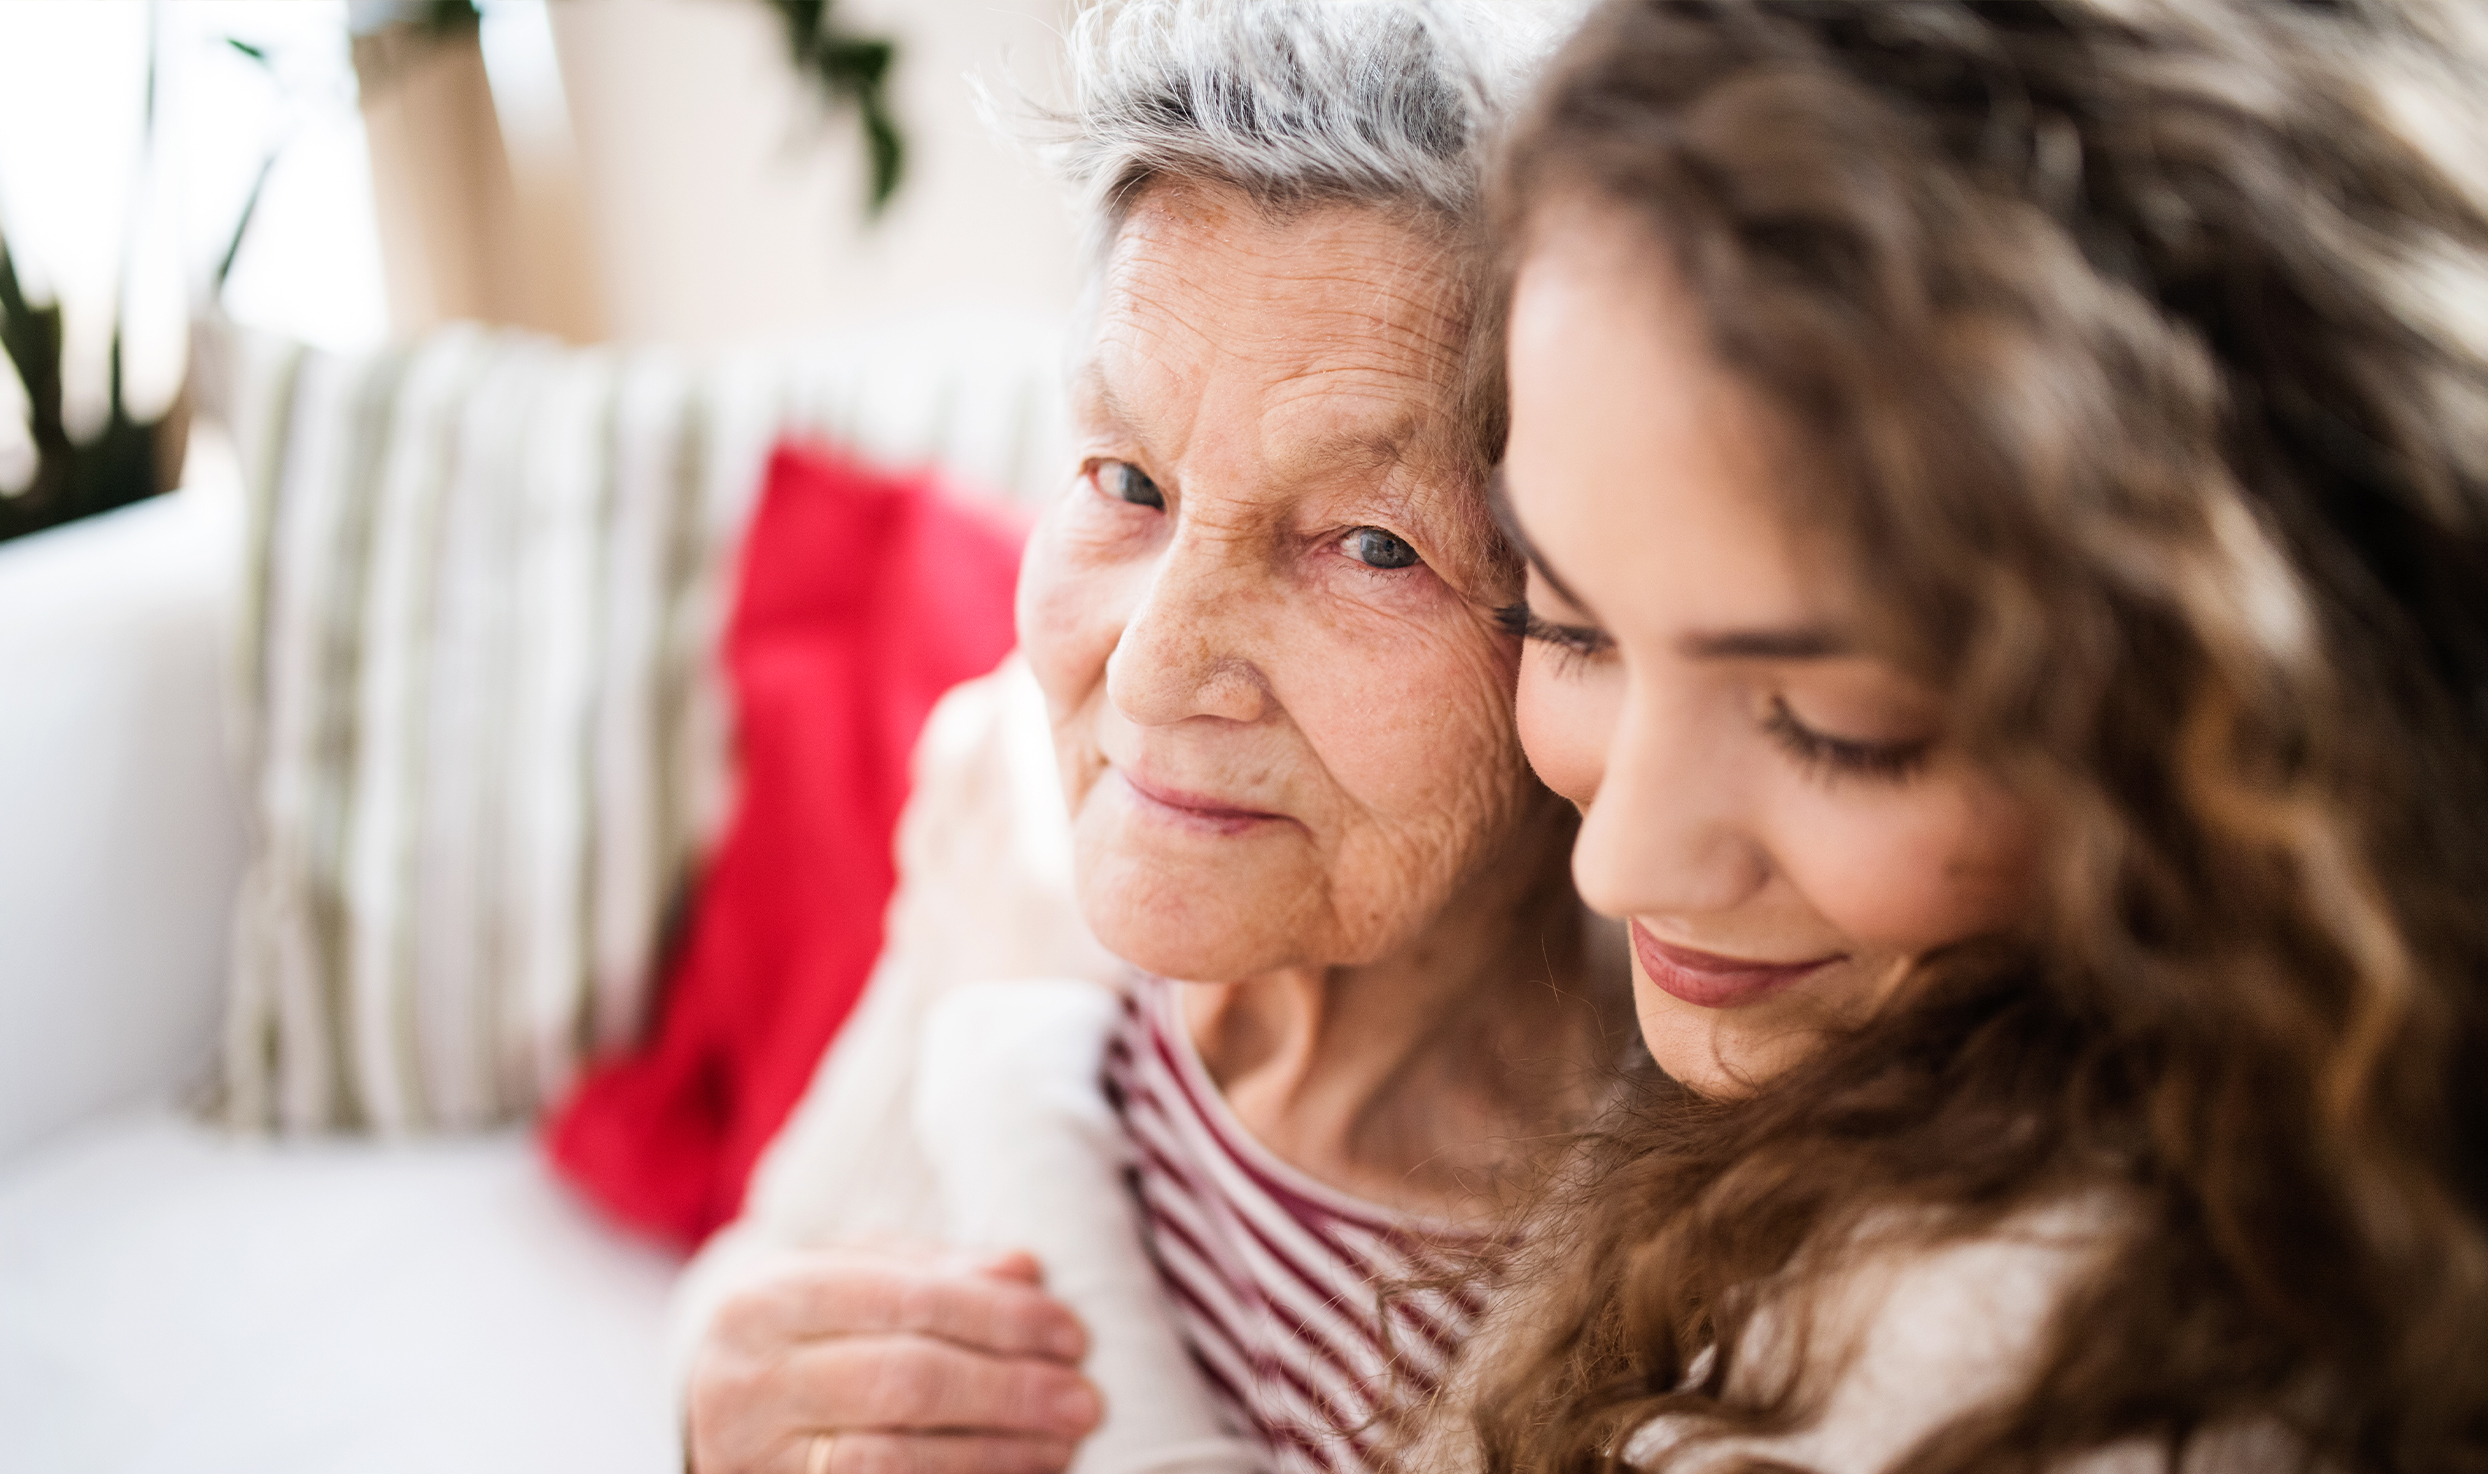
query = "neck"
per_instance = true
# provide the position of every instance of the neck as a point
(1409, 1080)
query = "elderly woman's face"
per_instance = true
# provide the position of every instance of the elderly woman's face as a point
(1263, 616)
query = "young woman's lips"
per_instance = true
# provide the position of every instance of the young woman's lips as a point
(1708, 980)
(1198, 810)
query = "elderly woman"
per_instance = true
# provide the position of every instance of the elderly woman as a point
(1264, 622)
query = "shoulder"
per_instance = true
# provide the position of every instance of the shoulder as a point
(1902, 1341)
(1028, 1045)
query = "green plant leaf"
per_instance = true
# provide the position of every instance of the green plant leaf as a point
(852, 71)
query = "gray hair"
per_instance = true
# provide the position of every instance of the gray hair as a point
(1389, 104)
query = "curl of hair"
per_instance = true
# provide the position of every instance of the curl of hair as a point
(2130, 340)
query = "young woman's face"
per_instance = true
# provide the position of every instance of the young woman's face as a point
(1771, 806)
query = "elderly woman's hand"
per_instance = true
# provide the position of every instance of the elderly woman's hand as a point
(891, 1362)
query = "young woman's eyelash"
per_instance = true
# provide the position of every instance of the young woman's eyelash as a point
(1890, 762)
(1573, 643)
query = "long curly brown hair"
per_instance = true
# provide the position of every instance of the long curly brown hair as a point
(2127, 336)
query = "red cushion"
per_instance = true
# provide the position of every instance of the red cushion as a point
(862, 600)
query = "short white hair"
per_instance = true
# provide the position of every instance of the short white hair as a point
(1389, 104)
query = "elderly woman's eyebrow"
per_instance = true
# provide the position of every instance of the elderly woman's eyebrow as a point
(1095, 395)
(1364, 446)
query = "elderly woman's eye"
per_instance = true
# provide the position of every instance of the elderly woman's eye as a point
(1127, 482)
(1379, 549)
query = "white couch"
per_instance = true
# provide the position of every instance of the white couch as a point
(174, 1299)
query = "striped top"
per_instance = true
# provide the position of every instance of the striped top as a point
(1276, 1278)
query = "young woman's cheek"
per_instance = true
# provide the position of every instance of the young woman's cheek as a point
(1912, 868)
(1567, 717)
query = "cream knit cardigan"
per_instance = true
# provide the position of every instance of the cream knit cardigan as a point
(961, 1110)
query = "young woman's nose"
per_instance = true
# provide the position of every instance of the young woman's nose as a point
(1664, 835)
(1189, 647)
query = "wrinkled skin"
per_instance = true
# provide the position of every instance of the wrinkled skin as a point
(924, 1362)
(1263, 621)
(1274, 382)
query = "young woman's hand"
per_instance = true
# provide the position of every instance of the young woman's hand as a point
(890, 1361)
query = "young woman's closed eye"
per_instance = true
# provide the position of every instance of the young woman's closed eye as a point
(1572, 644)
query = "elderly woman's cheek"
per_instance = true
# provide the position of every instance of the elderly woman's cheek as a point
(1424, 748)
(1070, 609)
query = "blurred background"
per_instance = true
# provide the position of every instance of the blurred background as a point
(345, 172)
(356, 792)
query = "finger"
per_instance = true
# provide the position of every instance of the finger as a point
(829, 1297)
(1011, 1264)
(933, 1453)
(915, 1384)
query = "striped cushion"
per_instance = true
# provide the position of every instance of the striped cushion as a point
(484, 734)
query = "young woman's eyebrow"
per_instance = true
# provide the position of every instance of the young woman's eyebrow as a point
(1804, 642)
(1500, 504)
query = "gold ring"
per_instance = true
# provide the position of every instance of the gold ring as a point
(816, 1461)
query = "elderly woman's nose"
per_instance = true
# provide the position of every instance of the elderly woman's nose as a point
(1187, 649)
(1663, 835)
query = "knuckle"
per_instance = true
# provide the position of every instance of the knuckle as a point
(745, 1317)
(849, 1301)
(1044, 1398)
(867, 1299)
(715, 1426)
(1045, 1455)
(1032, 1321)
(721, 1386)
(873, 1453)
(916, 1303)
(910, 1383)
(1022, 1456)
(789, 1454)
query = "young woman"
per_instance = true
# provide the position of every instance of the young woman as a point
(2008, 506)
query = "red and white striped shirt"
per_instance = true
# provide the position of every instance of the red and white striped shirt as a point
(1276, 1277)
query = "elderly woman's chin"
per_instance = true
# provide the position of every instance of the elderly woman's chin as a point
(1173, 898)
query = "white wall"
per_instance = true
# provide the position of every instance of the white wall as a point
(724, 208)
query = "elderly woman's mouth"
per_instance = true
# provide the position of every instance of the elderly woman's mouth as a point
(1206, 811)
